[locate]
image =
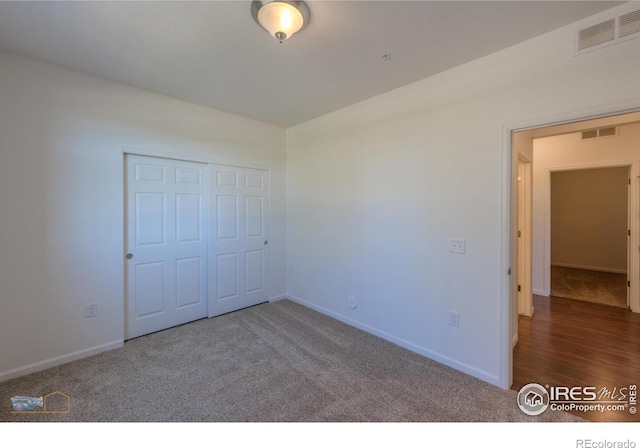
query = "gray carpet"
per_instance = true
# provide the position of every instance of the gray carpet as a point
(278, 362)
(589, 286)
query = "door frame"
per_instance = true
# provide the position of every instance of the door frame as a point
(522, 222)
(524, 269)
(633, 257)
(509, 188)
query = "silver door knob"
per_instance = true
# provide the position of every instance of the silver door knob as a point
(266, 242)
(129, 256)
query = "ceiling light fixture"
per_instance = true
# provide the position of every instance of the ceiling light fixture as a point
(280, 18)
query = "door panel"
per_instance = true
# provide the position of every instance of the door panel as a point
(149, 218)
(188, 211)
(188, 176)
(227, 276)
(227, 216)
(254, 218)
(254, 261)
(150, 288)
(239, 251)
(148, 172)
(166, 226)
(188, 281)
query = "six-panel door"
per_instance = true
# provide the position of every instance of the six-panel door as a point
(166, 243)
(238, 249)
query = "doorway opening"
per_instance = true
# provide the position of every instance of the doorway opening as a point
(562, 152)
(561, 332)
(590, 234)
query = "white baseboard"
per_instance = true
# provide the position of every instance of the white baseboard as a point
(540, 292)
(435, 356)
(589, 268)
(514, 341)
(58, 360)
(277, 298)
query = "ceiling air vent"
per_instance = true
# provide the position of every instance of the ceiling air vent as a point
(608, 32)
(597, 34)
(629, 24)
(599, 133)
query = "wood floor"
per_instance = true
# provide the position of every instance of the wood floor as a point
(573, 343)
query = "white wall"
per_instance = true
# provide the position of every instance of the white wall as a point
(376, 190)
(564, 152)
(62, 136)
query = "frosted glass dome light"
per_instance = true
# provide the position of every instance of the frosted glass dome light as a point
(281, 19)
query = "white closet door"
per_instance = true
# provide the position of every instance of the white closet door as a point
(238, 248)
(166, 243)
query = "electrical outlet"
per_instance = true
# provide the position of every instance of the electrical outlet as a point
(457, 246)
(454, 318)
(91, 310)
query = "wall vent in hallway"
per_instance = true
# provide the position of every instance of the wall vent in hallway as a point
(608, 32)
(629, 24)
(610, 131)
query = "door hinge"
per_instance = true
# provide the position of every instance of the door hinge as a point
(509, 271)
(519, 288)
(519, 234)
(628, 284)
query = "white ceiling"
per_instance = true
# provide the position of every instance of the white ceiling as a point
(214, 54)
